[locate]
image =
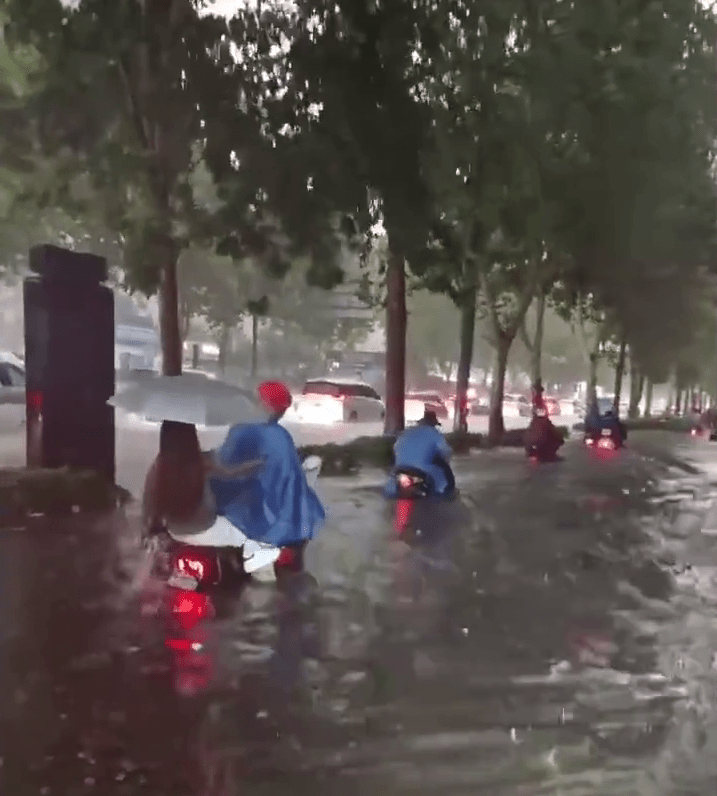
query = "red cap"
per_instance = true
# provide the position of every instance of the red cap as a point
(275, 395)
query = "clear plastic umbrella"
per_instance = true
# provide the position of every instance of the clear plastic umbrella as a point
(190, 398)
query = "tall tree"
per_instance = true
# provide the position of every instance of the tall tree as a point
(496, 150)
(640, 208)
(136, 97)
(356, 60)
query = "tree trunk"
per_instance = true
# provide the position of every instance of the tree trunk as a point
(224, 340)
(536, 353)
(619, 373)
(465, 357)
(394, 421)
(648, 398)
(678, 402)
(534, 345)
(185, 319)
(496, 427)
(254, 343)
(169, 331)
(591, 391)
(636, 387)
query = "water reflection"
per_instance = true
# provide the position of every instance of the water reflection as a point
(517, 646)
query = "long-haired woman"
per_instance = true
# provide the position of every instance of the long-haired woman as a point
(177, 494)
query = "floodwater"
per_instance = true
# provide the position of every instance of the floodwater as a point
(556, 636)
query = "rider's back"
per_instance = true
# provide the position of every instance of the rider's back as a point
(199, 520)
(420, 444)
(275, 503)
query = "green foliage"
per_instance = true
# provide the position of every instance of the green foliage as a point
(138, 116)
(356, 63)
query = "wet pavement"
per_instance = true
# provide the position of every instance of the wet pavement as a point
(553, 633)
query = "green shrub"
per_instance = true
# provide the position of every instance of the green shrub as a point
(514, 437)
(347, 459)
(55, 492)
(679, 424)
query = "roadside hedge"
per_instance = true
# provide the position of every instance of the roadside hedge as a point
(677, 424)
(28, 491)
(350, 457)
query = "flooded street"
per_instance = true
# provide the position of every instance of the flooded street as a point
(554, 634)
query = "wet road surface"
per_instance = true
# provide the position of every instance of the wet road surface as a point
(555, 635)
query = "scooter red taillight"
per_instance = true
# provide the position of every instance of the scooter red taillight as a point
(607, 444)
(405, 481)
(290, 559)
(197, 564)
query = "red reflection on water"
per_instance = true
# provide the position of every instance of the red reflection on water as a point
(193, 667)
(192, 664)
(601, 502)
(591, 648)
(188, 608)
(404, 509)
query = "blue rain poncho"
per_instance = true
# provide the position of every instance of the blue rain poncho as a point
(419, 447)
(275, 505)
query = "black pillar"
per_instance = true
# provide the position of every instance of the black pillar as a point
(69, 360)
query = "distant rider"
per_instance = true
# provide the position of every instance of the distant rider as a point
(424, 448)
(596, 423)
(538, 400)
(541, 436)
(612, 423)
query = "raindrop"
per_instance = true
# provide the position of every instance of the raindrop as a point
(89, 781)
(464, 631)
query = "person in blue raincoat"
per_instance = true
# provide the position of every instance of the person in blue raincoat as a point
(612, 422)
(595, 422)
(424, 448)
(274, 505)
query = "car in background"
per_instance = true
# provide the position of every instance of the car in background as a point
(512, 403)
(478, 400)
(335, 400)
(12, 392)
(552, 404)
(418, 402)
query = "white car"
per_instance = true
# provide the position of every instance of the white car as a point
(418, 402)
(326, 401)
(511, 405)
(12, 392)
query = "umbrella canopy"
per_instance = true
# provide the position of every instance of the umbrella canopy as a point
(191, 398)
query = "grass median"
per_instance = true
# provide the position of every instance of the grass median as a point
(55, 492)
(350, 457)
(679, 425)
